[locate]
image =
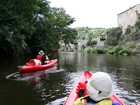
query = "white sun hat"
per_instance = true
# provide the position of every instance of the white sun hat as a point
(100, 86)
(41, 52)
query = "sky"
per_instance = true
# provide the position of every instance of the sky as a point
(94, 13)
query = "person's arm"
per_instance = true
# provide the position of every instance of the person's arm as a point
(47, 58)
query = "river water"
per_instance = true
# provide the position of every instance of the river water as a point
(51, 87)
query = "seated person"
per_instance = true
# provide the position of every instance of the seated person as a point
(99, 88)
(42, 57)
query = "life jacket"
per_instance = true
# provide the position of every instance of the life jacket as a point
(79, 101)
(39, 57)
(42, 58)
(105, 102)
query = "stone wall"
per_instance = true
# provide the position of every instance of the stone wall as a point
(128, 17)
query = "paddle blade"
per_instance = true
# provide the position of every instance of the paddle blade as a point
(55, 51)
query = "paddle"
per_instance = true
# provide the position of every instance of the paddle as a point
(55, 51)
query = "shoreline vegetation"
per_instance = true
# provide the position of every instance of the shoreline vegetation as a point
(114, 50)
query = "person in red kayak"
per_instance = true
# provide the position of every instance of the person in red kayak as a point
(99, 88)
(42, 57)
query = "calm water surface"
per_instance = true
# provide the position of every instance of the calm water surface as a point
(52, 87)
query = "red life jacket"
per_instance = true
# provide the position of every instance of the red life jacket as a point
(39, 57)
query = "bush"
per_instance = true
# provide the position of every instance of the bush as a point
(115, 50)
(130, 49)
(110, 51)
(112, 41)
(92, 50)
(128, 30)
(125, 51)
(100, 50)
(87, 49)
(138, 23)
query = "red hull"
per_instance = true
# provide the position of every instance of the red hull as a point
(26, 68)
(82, 84)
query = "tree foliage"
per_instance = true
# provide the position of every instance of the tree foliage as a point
(86, 32)
(27, 26)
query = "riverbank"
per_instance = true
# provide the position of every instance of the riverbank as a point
(130, 49)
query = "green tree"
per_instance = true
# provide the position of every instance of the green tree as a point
(52, 28)
(30, 25)
(16, 18)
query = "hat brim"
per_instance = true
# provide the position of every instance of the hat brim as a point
(41, 52)
(94, 94)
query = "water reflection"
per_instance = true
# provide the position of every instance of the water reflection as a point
(124, 71)
(41, 81)
(52, 87)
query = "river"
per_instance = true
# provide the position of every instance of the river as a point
(52, 87)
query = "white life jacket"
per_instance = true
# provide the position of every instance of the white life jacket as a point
(37, 62)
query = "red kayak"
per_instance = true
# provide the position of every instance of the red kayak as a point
(82, 84)
(31, 68)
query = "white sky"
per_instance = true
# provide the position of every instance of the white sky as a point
(94, 13)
